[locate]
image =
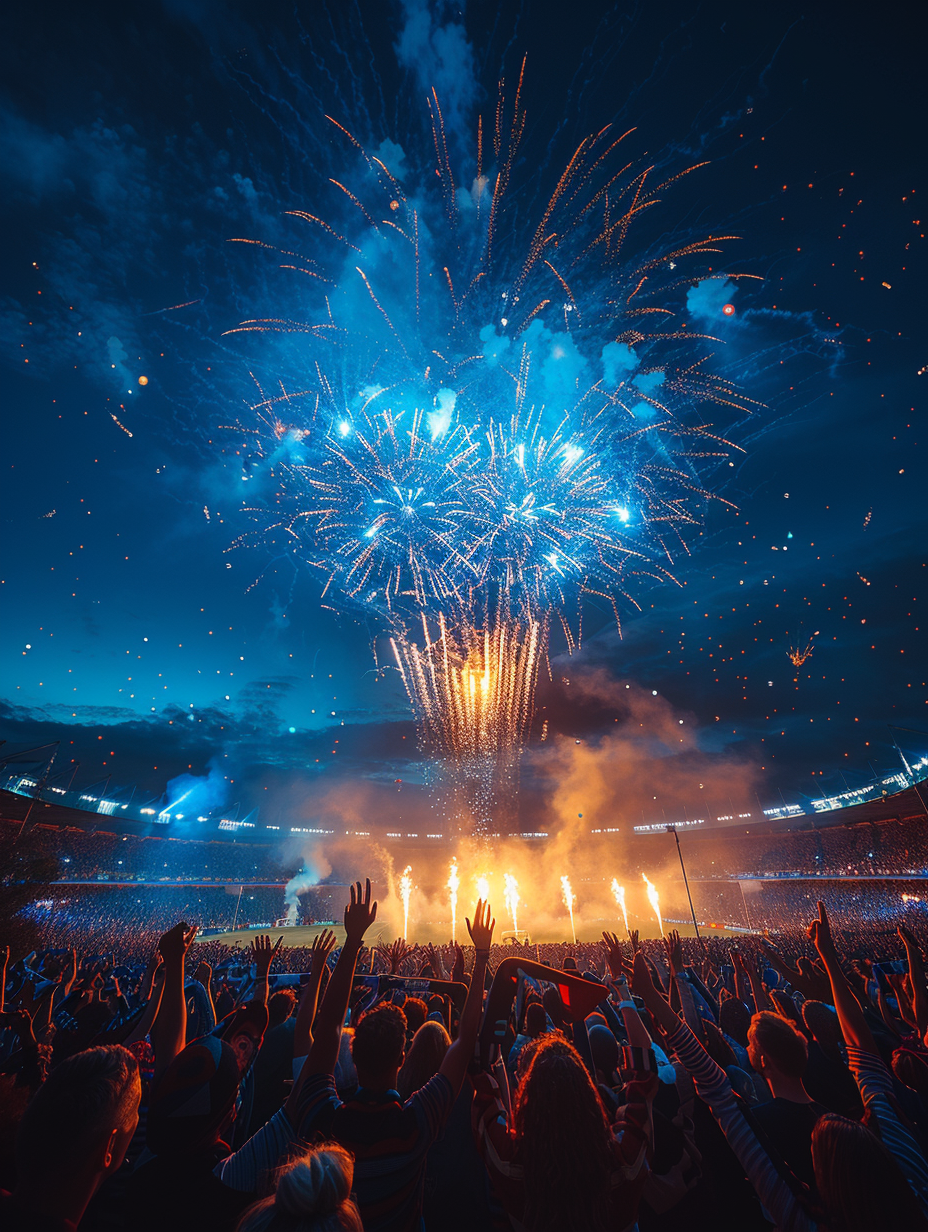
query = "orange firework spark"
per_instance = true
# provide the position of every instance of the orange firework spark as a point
(798, 654)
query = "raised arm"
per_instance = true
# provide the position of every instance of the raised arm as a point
(917, 980)
(145, 1024)
(359, 916)
(323, 944)
(762, 999)
(170, 1027)
(148, 977)
(850, 1015)
(262, 955)
(713, 1086)
(737, 961)
(459, 1055)
(204, 977)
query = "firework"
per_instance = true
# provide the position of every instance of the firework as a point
(454, 884)
(473, 693)
(512, 899)
(488, 430)
(405, 893)
(655, 902)
(798, 654)
(569, 899)
(483, 888)
(618, 893)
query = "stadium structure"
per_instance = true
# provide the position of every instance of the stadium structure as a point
(865, 849)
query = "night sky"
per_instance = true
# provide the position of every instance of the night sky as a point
(136, 142)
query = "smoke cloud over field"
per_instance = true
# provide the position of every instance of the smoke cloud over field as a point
(585, 796)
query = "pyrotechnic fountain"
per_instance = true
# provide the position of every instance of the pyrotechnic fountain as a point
(405, 894)
(619, 895)
(454, 884)
(569, 899)
(512, 899)
(655, 903)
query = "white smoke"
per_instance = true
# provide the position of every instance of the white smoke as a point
(313, 870)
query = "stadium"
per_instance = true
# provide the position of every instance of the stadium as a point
(121, 863)
(463, 756)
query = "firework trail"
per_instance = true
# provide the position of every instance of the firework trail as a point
(618, 893)
(512, 899)
(454, 884)
(655, 903)
(483, 889)
(569, 899)
(405, 894)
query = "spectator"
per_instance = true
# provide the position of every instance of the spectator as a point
(74, 1133)
(423, 1060)
(560, 1164)
(388, 1138)
(779, 1053)
(311, 1194)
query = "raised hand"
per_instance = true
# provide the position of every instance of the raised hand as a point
(204, 974)
(674, 947)
(642, 984)
(481, 931)
(434, 957)
(614, 955)
(393, 955)
(175, 943)
(633, 938)
(322, 946)
(359, 914)
(457, 972)
(820, 935)
(263, 953)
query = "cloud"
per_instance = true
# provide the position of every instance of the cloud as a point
(707, 298)
(435, 48)
(198, 793)
(618, 360)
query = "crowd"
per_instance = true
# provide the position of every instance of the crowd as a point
(85, 855)
(73, 913)
(885, 849)
(888, 848)
(161, 1082)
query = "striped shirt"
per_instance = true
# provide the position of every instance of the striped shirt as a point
(389, 1141)
(247, 1168)
(873, 1078)
(713, 1087)
(876, 1085)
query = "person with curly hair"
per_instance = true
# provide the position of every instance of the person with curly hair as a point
(559, 1165)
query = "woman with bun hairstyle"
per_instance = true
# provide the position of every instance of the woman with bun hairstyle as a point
(312, 1194)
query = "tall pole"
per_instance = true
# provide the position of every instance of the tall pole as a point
(908, 768)
(37, 794)
(673, 831)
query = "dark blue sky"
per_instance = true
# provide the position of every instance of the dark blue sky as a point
(136, 144)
